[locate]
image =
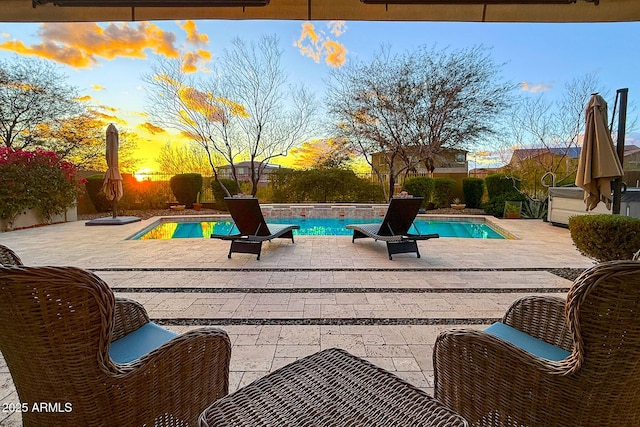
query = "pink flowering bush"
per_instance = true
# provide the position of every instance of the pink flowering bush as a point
(36, 180)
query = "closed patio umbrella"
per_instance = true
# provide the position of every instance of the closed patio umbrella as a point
(112, 186)
(598, 164)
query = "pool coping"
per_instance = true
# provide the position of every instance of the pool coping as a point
(485, 219)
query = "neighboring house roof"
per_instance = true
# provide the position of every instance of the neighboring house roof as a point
(631, 149)
(571, 152)
(442, 151)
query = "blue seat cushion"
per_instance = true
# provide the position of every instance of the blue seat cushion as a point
(526, 342)
(139, 342)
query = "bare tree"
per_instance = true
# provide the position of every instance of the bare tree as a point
(278, 117)
(244, 110)
(180, 101)
(407, 108)
(32, 93)
(548, 133)
(175, 159)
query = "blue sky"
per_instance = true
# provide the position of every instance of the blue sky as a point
(106, 62)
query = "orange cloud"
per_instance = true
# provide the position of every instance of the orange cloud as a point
(80, 45)
(533, 88)
(151, 128)
(86, 98)
(52, 51)
(316, 45)
(193, 36)
(109, 118)
(97, 87)
(336, 53)
(337, 28)
(192, 61)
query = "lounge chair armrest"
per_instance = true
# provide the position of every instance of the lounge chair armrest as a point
(130, 315)
(227, 236)
(410, 236)
(483, 377)
(181, 378)
(542, 317)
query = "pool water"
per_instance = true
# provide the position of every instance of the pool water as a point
(178, 229)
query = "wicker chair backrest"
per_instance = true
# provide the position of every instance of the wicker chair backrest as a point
(603, 309)
(8, 257)
(54, 332)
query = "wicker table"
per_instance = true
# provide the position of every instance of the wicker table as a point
(330, 388)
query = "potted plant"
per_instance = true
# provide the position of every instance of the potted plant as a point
(197, 205)
(512, 209)
(457, 205)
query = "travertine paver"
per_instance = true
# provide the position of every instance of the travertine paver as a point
(540, 245)
(261, 292)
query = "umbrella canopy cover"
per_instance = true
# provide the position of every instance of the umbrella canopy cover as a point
(112, 185)
(598, 163)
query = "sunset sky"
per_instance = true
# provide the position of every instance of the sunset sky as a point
(106, 60)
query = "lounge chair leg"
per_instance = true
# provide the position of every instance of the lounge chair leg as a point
(246, 247)
(402, 247)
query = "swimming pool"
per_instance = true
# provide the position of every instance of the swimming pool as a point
(178, 228)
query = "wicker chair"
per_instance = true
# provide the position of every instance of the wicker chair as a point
(58, 328)
(8, 257)
(492, 382)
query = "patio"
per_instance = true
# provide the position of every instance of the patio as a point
(318, 293)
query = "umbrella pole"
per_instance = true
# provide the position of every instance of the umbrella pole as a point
(115, 208)
(622, 129)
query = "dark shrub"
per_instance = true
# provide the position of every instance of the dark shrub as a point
(498, 184)
(322, 185)
(94, 190)
(495, 206)
(219, 193)
(444, 188)
(473, 189)
(281, 181)
(605, 237)
(420, 187)
(501, 189)
(185, 187)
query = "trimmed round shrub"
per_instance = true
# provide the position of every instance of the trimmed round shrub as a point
(473, 189)
(421, 187)
(94, 190)
(444, 189)
(219, 193)
(185, 187)
(605, 237)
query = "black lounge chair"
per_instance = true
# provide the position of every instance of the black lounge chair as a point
(252, 228)
(394, 229)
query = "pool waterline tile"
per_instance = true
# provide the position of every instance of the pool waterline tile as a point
(458, 226)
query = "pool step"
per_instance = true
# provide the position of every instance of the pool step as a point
(188, 230)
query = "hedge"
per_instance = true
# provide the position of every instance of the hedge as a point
(473, 190)
(185, 188)
(421, 187)
(605, 237)
(501, 188)
(219, 194)
(444, 189)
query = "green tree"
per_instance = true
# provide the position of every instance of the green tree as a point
(81, 140)
(33, 93)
